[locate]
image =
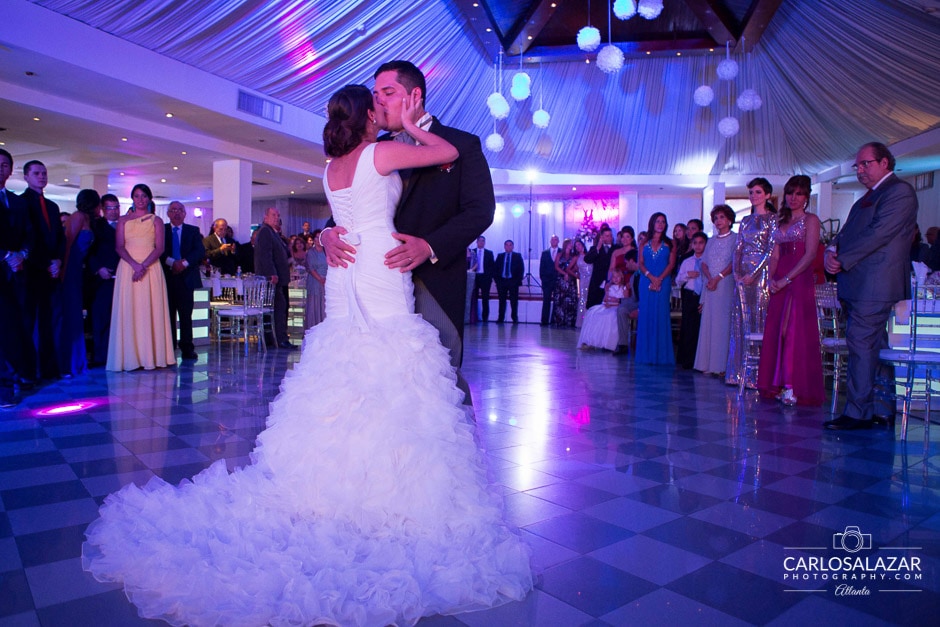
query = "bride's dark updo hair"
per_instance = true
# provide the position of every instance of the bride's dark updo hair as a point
(347, 115)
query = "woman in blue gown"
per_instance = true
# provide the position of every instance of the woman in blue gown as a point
(73, 356)
(654, 326)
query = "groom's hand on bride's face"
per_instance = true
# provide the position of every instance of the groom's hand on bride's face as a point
(338, 253)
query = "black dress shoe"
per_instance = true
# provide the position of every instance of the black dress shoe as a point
(190, 356)
(847, 423)
(287, 346)
(883, 421)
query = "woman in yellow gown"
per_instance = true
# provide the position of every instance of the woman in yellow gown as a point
(140, 319)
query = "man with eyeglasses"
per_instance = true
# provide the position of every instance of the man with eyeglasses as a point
(871, 258)
(181, 259)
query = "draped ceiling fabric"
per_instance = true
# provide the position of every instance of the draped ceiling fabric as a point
(832, 75)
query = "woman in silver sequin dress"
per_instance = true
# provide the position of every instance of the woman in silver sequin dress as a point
(584, 279)
(751, 260)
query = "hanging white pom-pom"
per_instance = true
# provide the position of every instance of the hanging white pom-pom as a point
(541, 118)
(499, 107)
(650, 9)
(749, 100)
(703, 96)
(728, 126)
(589, 38)
(727, 69)
(610, 59)
(520, 86)
(624, 9)
(494, 142)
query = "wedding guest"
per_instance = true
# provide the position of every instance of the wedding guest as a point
(43, 311)
(316, 266)
(870, 258)
(584, 279)
(548, 275)
(654, 324)
(16, 240)
(220, 250)
(600, 322)
(565, 295)
(181, 259)
(73, 354)
(272, 261)
(509, 273)
(692, 284)
(102, 263)
(683, 242)
(751, 261)
(140, 319)
(790, 366)
(599, 258)
(482, 265)
(711, 354)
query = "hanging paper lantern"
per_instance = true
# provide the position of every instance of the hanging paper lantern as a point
(749, 100)
(499, 108)
(703, 96)
(650, 9)
(728, 126)
(494, 142)
(589, 38)
(610, 59)
(520, 86)
(727, 69)
(541, 118)
(624, 9)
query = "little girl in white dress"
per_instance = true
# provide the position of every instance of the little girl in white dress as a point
(600, 321)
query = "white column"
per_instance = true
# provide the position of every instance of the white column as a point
(629, 205)
(231, 195)
(97, 182)
(823, 200)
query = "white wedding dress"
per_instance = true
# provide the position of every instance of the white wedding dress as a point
(365, 505)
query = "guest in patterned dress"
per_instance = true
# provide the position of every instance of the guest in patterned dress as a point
(750, 263)
(565, 295)
(584, 279)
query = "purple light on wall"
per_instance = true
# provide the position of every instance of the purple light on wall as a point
(68, 407)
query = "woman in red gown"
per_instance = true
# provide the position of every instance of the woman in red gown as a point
(790, 367)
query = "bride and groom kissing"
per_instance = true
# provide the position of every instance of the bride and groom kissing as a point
(372, 506)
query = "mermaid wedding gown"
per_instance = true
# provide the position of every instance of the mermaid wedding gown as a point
(369, 506)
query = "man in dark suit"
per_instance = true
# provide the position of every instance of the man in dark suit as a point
(549, 277)
(481, 265)
(183, 253)
(871, 258)
(599, 257)
(272, 260)
(442, 209)
(220, 249)
(102, 264)
(16, 240)
(44, 307)
(509, 273)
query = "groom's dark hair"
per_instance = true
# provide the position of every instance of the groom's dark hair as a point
(408, 75)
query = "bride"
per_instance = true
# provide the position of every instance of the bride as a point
(370, 507)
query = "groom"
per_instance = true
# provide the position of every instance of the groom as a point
(442, 209)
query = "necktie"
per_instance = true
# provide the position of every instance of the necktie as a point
(45, 213)
(697, 283)
(3, 197)
(479, 261)
(176, 242)
(506, 274)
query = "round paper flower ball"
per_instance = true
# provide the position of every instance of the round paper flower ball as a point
(727, 69)
(499, 107)
(728, 127)
(703, 96)
(541, 118)
(610, 59)
(494, 142)
(589, 38)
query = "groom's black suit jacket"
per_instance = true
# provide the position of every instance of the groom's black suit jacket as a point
(449, 206)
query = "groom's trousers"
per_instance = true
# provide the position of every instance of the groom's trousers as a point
(430, 310)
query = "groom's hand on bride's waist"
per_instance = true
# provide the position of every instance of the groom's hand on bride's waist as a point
(338, 252)
(412, 252)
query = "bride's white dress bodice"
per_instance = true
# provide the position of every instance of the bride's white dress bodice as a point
(366, 209)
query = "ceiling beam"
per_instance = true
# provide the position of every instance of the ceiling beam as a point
(755, 23)
(525, 30)
(631, 49)
(480, 20)
(717, 20)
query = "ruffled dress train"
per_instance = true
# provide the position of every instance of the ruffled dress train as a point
(367, 505)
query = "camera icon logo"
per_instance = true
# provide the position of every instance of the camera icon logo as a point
(851, 540)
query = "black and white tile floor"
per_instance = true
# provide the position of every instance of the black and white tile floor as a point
(650, 496)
